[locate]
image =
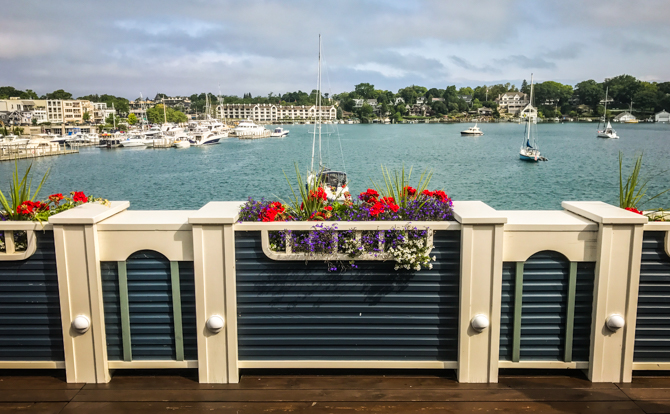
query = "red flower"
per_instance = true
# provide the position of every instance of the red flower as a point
(441, 195)
(79, 196)
(271, 212)
(427, 193)
(634, 210)
(369, 196)
(409, 191)
(319, 194)
(56, 198)
(376, 209)
(328, 208)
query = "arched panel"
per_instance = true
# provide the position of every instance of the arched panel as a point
(546, 309)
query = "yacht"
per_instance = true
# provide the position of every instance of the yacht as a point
(472, 131)
(279, 132)
(608, 132)
(249, 128)
(181, 143)
(133, 141)
(203, 136)
(13, 140)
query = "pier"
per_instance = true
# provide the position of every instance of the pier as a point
(19, 152)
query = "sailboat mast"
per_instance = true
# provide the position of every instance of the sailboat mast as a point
(531, 108)
(318, 106)
(164, 111)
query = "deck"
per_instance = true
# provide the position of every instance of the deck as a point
(385, 392)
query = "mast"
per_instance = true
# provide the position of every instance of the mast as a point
(318, 106)
(531, 107)
(164, 111)
(114, 115)
(318, 81)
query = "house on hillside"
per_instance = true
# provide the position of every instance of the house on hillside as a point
(624, 117)
(437, 99)
(512, 102)
(466, 98)
(662, 116)
(529, 111)
(484, 111)
(398, 101)
(358, 103)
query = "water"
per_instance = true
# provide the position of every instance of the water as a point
(487, 168)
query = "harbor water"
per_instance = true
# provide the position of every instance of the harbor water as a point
(487, 168)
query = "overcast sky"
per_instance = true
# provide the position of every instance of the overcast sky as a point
(183, 47)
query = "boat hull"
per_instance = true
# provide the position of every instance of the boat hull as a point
(471, 134)
(609, 136)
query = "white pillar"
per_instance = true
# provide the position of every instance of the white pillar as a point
(480, 290)
(80, 289)
(616, 287)
(216, 293)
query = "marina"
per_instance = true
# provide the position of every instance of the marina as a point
(582, 166)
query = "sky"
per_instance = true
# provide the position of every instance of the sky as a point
(178, 47)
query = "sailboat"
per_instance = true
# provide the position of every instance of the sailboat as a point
(529, 148)
(608, 132)
(333, 182)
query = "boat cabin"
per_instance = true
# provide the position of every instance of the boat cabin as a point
(333, 179)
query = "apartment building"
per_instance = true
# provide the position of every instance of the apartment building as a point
(512, 102)
(269, 112)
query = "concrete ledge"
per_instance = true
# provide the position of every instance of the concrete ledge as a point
(89, 213)
(157, 220)
(217, 212)
(603, 213)
(546, 220)
(477, 212)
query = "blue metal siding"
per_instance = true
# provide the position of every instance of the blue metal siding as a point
(652, 332)
(544, 308)
(30, 323)
(150, 307)
(292, 310)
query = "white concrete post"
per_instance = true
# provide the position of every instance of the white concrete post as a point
(616, 287)
(216, 293)
(80, 290)
(480, 290)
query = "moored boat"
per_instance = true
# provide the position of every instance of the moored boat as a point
(472, 131)
(279, 132)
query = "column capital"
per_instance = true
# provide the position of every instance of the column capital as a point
(603, 213)
(217, 212)
(477, 212)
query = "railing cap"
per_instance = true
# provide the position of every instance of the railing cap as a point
(477, 212)
(89, 213)
(217, 212)
(603, 213)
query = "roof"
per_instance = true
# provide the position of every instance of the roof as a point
(512, 94)
(624, 113)
(663, 112)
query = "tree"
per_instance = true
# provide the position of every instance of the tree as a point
(525, 88)
(132, 119)
(466, 91)
(401, 109)
(590, 92)
(622, 88)
(365, 90)
(365, 112)
(86, 117)
(647, 96)
(156, 115)
(59, 94)
(439, 108)
(553, 92)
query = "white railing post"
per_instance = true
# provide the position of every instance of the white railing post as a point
(80, 289)
(616, 286)
(480, 290)
(215, 290)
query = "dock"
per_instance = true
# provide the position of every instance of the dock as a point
(25, 151)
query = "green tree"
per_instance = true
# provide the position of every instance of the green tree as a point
(156, 115)
(365, 90)
(647, 96)
(365, 112)
(132, 119)
(590, 92)
(622, 89)
(87, 116)
(525, 88)
(59, 94)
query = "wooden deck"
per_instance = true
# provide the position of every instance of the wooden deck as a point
(329, 392)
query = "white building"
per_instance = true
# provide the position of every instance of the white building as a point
(528, 112)
(21, 111)
(663, 116)
(55, 111)
(101, 112)
(624, 117)
(271, 113)
(399, 100)
(358, 103)
(512, 102)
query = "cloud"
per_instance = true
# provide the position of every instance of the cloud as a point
(460, 62)
(523, 61)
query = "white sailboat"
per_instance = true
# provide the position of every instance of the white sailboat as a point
(608, 132)
(334, 183)
(529, 149)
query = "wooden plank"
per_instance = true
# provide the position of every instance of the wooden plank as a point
(36, 383)
(37, 395)
(176, 311)
(518, 302)
(647, 382)
(355, 407)
(32, 408)
(647, 393)
(529, 395)
(125, 311)
(570, 318)
(654, 407)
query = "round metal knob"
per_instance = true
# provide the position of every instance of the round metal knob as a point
(215, 323)
(81, 324)
(479, 322)
(615, 322)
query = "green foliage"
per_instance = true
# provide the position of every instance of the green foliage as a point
(20, 190)
(132, 119)
(118, 103)
(7, 92)
(86, 117)
(156, 115)
(59, 94)
(305, 205)
(634, 189)
(395, 182)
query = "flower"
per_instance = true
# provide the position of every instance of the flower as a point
(56, 198)
(634, 210)
(328, 208)
(79, 197)
(271, 212)
(409, 191)
(376, 209)
(427, 193)
(441, 195)
(369, 196)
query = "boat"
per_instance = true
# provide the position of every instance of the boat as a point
(181, 143)
(249, 128)
(279, 132)
(472, 131)
(608, 132)
(13, 141)
(529, 149)
(203, 136)
(334, 183)
(133, 141)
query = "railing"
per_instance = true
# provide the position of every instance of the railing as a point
(100, 288)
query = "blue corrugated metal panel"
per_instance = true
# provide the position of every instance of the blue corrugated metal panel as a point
(110, 299)
(297, 310)
(652, 333)
(544, 308)
(150, 305)
(187, 286)
(30, 323)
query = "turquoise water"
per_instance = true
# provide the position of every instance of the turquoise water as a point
(487, 168)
